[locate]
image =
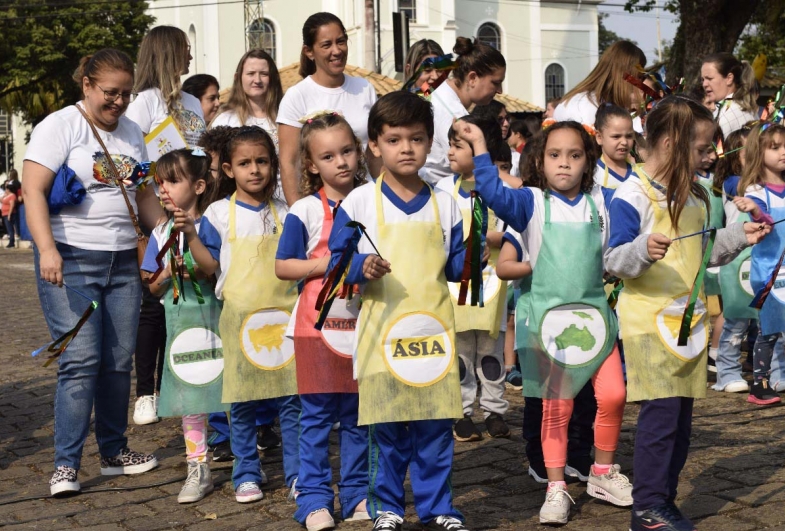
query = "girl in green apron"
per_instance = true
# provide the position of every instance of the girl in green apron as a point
(567, 333)
(734, 278)
(193, 364)
(660, 275)
(238, 238)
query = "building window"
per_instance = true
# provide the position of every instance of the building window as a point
(490, 34)
(194, 66)
(409, 7)
(261, 35)
(554, 81)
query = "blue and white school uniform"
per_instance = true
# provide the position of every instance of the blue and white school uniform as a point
(395, 444)
(606, 177)
(302, 237)
(249, 223)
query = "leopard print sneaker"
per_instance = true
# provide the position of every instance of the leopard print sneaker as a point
(64, 481)
(127, 462)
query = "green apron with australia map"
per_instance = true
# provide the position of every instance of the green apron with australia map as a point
(570, 329)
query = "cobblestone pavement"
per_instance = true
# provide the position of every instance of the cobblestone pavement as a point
(734, 479)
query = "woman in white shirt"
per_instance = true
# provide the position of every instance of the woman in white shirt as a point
(324, 87)
(605, 84)
(727, 83)
(164, 56)
(477, 78)
(255, 95)
(90, 247)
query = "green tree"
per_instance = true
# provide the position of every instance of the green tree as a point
(43, 41)
(765, 34)
(605, 36)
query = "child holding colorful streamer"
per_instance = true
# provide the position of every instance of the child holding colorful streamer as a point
(331, 158)
(616, 138)
(569, 331)
(237, 238)
(665, 355)
(479, 342)
(764, 199)
(405, 355)
(193, 363)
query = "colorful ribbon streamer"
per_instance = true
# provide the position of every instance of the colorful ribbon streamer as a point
(443, 64)
(760, 297)
(472, 264)
(613, 298)
(58, 346)
(689, 309)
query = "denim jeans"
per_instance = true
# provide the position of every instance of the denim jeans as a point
(9, 228)
(95, 369)
(762, 354)
(728, 364)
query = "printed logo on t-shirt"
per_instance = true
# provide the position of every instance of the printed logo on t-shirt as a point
(102, 171)
(191, 124)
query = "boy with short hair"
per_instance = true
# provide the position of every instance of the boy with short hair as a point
(405, 358)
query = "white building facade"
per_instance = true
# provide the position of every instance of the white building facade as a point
(549, 47)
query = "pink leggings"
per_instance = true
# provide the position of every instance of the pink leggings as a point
(611, 396)
(195, 433)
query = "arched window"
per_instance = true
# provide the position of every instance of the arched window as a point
(194, 66)
(261, 34)
(490, 34)
(554, 81)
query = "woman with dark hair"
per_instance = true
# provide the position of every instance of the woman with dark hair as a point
(477, 78)
(91, 248)
(205, 88)
(729, 84)
(324, 87)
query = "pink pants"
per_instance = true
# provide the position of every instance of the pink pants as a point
(195, 433)
(611, 396)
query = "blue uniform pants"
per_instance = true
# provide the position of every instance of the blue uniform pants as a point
(424, 447)
(219, 422)
(319, 412)
(243, 437)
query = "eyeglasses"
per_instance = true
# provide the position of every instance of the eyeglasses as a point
(112, 95)
(505, 118)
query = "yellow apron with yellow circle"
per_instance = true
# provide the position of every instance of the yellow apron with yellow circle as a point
(405, 358)
(650, 311)
(258, 357)
(468, 317)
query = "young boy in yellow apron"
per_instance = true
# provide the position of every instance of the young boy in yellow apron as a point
(479, 330)
(659, 274)
(405, 356)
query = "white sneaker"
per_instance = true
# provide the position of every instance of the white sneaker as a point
(146, 410)
(198, 484)
(612, 487)
(319, 520)
(293, 492)
(739, 386)
(556, 509)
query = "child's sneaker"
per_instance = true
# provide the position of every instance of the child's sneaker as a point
(360, 513)
(515, 379)
(64, 481)
(248, 492)
(198, 484)
(579, 467)
(763, 395)
(664, 517)
(127, 462)
(612, 487)
(146, 410)
(266, 438)
(496, 427)
(318, 520)
(388, 521)
(556, 509)
(446, 523)
(223, 452)
(464, 430)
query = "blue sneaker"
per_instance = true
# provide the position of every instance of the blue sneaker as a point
(666, 517)
(515, 379)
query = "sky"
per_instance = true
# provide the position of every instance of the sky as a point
(640, 26)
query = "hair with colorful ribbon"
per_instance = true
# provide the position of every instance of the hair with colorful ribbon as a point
(311, 182)
(191, 165)
(761, 138)
(536, 159)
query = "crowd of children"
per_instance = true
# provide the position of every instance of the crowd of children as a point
(568, 261)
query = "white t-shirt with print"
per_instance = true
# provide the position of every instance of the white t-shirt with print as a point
(353, 100)
(149, 111)
(447, 107)
(101, 221)
(230, 119)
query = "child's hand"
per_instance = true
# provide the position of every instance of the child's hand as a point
(184, 222)
(755, 232)
(745, 204)
(472, 135)
(375, 268)
(486, 254)
(657, 245)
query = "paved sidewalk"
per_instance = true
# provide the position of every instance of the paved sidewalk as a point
(734, 479)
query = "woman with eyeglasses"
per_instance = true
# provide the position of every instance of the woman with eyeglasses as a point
(91, 248)
(164, 56)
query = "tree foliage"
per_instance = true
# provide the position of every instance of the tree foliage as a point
(765, 34)
(43, 41)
